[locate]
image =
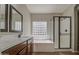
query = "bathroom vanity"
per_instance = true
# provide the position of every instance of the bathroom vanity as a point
(18, 46)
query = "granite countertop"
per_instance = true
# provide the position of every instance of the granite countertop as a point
(6, 43)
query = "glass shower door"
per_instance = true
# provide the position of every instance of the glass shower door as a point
(65, 32)
(62, 32)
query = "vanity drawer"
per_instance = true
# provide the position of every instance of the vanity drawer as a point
(30, 48)
(15, 49)
(24, 51)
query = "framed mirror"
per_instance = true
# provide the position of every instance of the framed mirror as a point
(3, 17)
(16, 20)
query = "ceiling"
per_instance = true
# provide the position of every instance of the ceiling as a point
(47, 8)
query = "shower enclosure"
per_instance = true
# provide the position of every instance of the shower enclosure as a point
(62, 31)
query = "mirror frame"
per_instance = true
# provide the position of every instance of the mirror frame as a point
(6, 19)
(10, 19)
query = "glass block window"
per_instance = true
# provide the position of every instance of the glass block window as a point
(39, 30)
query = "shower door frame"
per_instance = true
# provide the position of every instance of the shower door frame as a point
(59, 30)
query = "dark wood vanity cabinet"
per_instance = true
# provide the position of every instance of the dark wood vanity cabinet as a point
(30, 47)
(24, 48)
